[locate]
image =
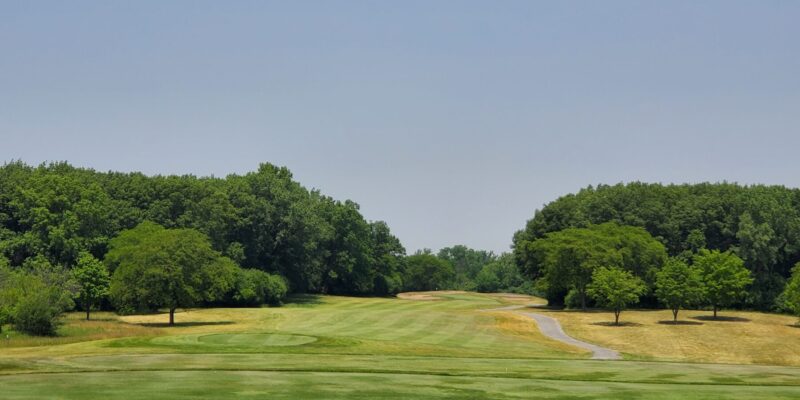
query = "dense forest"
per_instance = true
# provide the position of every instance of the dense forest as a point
(262, 220)
(760, 224)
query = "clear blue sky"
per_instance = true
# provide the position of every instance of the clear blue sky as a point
(451, 120)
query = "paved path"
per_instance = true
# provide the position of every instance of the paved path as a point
(551, 328)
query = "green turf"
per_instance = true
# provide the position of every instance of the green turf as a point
(351, 348)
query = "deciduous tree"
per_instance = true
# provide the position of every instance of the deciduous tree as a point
(724, 276)
(679, 285)
(615, 288)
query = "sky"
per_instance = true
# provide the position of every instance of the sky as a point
(453, 121)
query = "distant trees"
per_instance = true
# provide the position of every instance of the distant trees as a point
(725, 277)
(93, 280)
(263, 220)
(427, 272)
(252, 287)
(679, 285)
(760, 224)
(502, 275)
(615, 288)
(169, 268)
(565, 260)
(467, 264)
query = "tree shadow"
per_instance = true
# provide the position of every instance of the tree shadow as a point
(613, 325)
(720, 318)
(795, 325)
(679, 322)
(303, 299)
(181, 324)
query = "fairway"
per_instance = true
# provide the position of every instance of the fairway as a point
(436, 345)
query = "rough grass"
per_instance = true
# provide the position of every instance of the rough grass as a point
(735, 337)
(342, 347)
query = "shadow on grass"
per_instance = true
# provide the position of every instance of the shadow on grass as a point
(303, 300)
(181, 324)
(796, 325)
(720, 318)
(679, 322)
(613, 325)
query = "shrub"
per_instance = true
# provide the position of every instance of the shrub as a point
(35, 314)
(253, 287)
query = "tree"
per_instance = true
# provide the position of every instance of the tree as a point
(467, 263)
(253, 287)
(724, 276)
(427, 272)
(93, 279)
(679, 285)
(501, 275)
(169, 268)
(615, 288)
(790, 298)
(565, 260)
(35, 296)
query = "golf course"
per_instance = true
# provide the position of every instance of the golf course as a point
(433, 345)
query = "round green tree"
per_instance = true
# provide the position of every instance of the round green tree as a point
(92, 278)
(679, 285)
(169, 268)
(615, 288)
(724, 275)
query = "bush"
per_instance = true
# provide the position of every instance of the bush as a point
(253, 287)
(36, 315)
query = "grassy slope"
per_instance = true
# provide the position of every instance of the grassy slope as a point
(339, 347)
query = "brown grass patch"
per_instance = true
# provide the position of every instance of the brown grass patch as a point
(752, 337)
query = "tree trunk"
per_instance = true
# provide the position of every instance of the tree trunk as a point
(583, 300)
(616, 317)
(88, 307)
(172, 316)
(675, 315)
(715, 312)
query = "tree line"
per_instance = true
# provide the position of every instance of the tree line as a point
(760, 224)
(76, 238)
(262, 220)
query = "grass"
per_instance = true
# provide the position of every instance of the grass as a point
(376, 348)
(735, 337)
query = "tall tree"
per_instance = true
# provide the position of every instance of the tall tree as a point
(93, 280)
(615, 288)
(171, 268)
(679, 285)
(565, 260)
(724, 276)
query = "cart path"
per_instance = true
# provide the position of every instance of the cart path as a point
(551, 328)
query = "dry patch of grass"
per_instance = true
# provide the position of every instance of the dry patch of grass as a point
(736, 337)
(427, 296)
(521, 327)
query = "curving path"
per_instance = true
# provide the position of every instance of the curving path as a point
(551, 328)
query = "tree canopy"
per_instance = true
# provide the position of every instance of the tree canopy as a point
(92, 279)
(615, 288)
(263, 220)
(724, 276)
(169, 268)
(565, 260)
(679, 285)
(761, 224)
